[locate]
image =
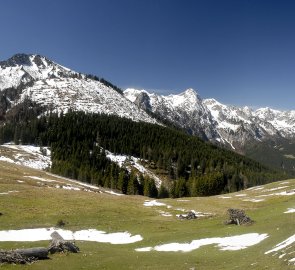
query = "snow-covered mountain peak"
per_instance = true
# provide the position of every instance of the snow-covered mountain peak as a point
(22, 69)
(188, 99)
(29, 60)
(132, 93)
(190, 92)
(59, 89)
(267, 113)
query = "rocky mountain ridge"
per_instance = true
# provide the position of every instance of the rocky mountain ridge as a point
(29, 80)
(228, 125)
(59, 89)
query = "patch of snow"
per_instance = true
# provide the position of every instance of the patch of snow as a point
(153, 203)
(224, 197)
(11, 191)
(283, 193)
(119, 159)
(31, 235)
(290, 210)
(273, 189)
(283, 183)
(6, 159)
(223, 243)
(183, 200)
(113, 193)
(134, 162)
(180, 209)
(20, 181)
(255, 188)
(197, 214)
(289, 241)
(71, 188)
(74, 181)
(30, 156)
(40, 179)
(253, 200)
(165, 214)
(241, 195)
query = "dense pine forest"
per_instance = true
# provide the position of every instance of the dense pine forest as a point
(188, 165)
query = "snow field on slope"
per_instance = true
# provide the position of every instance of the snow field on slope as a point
(237, 242)
(40, 234)
(29, 156)
(133, 162)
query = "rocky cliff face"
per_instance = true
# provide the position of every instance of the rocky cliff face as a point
(228, 125)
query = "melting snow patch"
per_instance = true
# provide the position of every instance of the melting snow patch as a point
(289, 241)
(165, 214)
(113, 193)
(30, 156)
(6, 159)
(283, 183)
(31, 235)
(286, 193)
(283, 193)
(241, 195)
(70, 188)
(277, 188)
(253, 200)
(290, 210)
(11, 191)
(224, 197)
(153, 203)
(223, 243)
(40, 179)
(255, 188)
(134, 162)
(75, 181)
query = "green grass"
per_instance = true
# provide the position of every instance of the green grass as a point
(36, 206)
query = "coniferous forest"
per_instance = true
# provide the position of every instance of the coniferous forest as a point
(188, 165)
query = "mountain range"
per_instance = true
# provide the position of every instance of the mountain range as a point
(265, 134)
(208, 118)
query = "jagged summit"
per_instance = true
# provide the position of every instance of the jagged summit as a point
(230, 125)
(190, 92)
(22, 59)
(185, 110)
(56, 88)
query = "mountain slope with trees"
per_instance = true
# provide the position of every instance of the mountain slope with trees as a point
(187, 165)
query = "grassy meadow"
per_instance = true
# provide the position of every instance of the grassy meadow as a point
(36, 204)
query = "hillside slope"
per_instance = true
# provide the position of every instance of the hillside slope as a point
(30, 201)
(186, 166)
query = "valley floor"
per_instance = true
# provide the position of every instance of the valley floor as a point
(135, 232)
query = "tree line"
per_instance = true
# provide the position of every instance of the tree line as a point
(188, 165)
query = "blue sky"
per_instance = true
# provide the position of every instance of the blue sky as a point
(240, 52)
